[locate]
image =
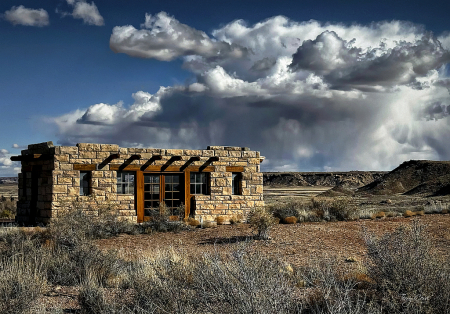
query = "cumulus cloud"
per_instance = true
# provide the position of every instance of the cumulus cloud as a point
(28, 17)
(7, 167)
(308, 95)
(87, 12)
(164, 38)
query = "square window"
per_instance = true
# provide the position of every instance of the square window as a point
(199, 183)
(125, 182)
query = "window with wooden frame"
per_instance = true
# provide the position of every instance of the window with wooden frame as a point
(125, 182)
(199, 183)
(85, 183)
(236, 183)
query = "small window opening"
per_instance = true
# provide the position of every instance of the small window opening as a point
(125, 182)
(85, 180)
(199, 183)
(236, 183)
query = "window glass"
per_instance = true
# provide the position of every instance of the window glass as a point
(85, 178)
(199, 183)
(236, 182)
(125, 182)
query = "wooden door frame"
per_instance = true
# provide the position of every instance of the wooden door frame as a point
(139, 199)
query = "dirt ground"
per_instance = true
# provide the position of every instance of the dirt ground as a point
(295, 244)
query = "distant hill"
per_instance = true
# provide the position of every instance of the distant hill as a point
(350, 179)
(414, 177)
(9, 180)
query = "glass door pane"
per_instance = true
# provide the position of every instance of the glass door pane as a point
(151, 194)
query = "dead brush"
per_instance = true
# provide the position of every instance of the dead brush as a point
(379, 215)
(221, 220)
(237, 219)
(409, 214)
(262, 221)
(290, 220)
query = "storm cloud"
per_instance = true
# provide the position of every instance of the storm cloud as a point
(308, 95)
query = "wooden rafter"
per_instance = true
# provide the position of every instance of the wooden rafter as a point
(30, 157)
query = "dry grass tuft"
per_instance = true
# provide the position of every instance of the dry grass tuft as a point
(221, 220)
(408, 214)
(237, 219)
(193, 222)
(379, 215)
(290, 220)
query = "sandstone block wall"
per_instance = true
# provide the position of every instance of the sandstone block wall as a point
(50, 179)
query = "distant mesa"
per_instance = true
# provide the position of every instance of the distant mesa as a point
(414, 177)
(9, 180)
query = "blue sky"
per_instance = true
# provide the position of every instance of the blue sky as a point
(313, 85)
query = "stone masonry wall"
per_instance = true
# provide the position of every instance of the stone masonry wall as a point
(59, 183)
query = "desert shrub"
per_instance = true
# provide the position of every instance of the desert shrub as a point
(408, 214)
(407, 272)
(333, 291)
(240, 282)
(379, 215)
(21, 282)
(70, 266)
(91, 298)
(22, 271)
(193, 222)
(8, 207)
(290, 220)
(288, 209)
(237, 219)
(261, 220)
(221, 220)
(343, 209)
(160, 221)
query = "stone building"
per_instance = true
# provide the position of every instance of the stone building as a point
(204, 184)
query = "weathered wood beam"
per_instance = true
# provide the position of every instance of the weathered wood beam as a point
(30, 157)
(159, 168)
(235, 169)
(83, 167)
(215, 158)
(135, 157)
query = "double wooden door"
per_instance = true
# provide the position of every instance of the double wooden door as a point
(155, 188)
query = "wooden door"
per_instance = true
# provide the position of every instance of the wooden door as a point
(154, 188)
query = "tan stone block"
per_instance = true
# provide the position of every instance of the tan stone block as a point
(249, 154)
(66, 166)
(234, 206)
(87, 155)
(259, 203)
(64, 180)
(71, 150)
(251, 169)
(221, 153)
(174, 152)
(246, 191)
(193, 152)
(235, 153)
(73, 191)
(220, 168)
(62, 158)
(59, 189)
(217, 212)
(207, 153)
(227, 190)
(221, 182)
(254, 161)
(259, 189)
(88, 147)
(109, 147)
(215, 147)
(239, 163)
(216, 189)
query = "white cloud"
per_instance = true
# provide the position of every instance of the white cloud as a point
(87, 12)
(28, 17)
(164, 38)
(309, 96)
(7, 167)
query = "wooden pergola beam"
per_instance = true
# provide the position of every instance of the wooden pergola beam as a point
(30, 157)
